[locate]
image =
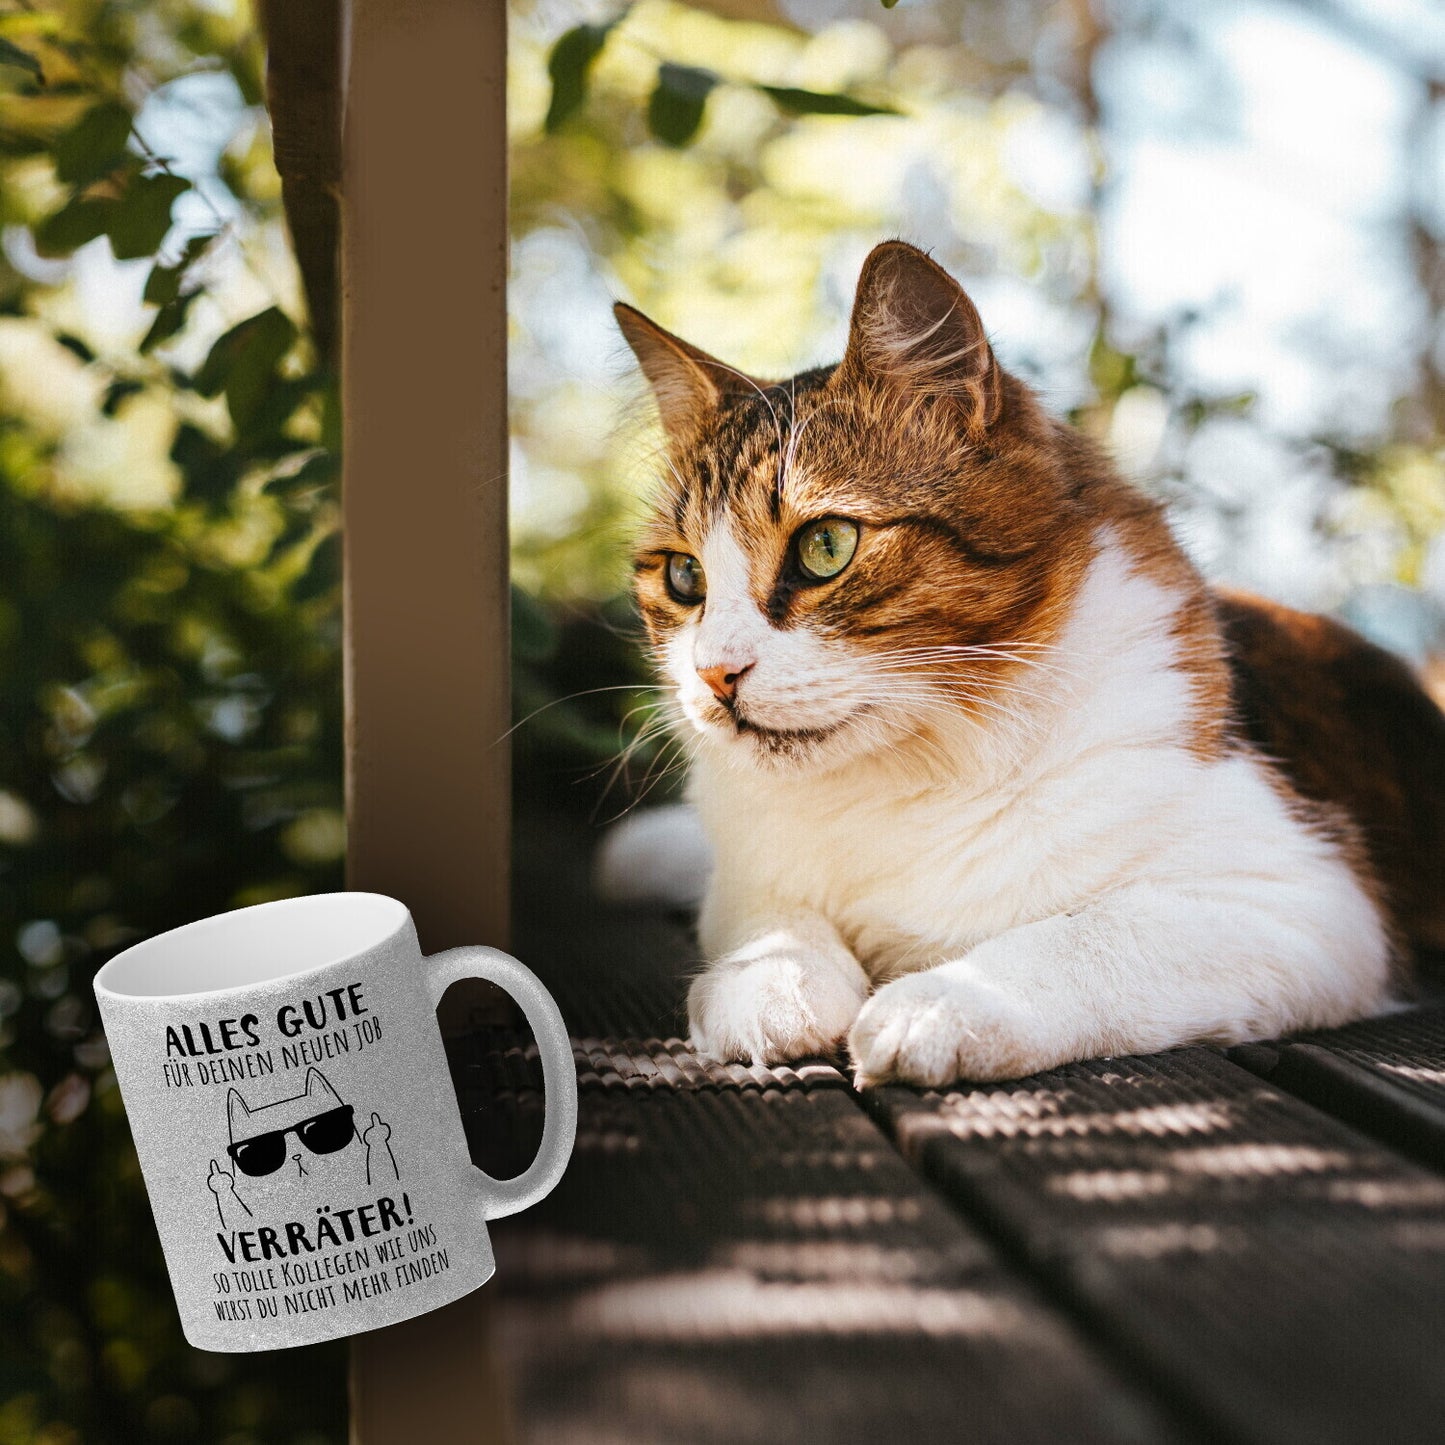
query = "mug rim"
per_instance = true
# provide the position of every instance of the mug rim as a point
(105, 982)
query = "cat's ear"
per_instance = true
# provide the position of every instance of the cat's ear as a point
(914, 328)
(316, 1084)
(236, 1110)
(685, 380)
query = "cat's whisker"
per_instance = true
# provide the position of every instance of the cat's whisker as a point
(663, 454)
(959, 705)
(660, 710)
(656, 773)
(952, 684)
(667, 722)
(673, 758)
(929, 705)
(945, 652)
(938, 661)
(768, 402)
(962, 686)
(1004, 687)
(1012, 648)
(647, 733)
(785, 461)
(573, 696)
(795, 435)
(999, 654)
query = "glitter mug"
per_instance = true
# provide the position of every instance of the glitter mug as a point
(288, 1092)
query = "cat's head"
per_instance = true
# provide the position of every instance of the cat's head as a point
(296, 1151)
(861, 554)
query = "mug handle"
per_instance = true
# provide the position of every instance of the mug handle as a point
(559, 1073)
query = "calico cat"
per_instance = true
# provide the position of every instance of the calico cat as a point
(993, 780)
(295, 1154)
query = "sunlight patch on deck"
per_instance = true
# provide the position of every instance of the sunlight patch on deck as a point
(1240, 1160)
(724, 1304)
(1000, 1116)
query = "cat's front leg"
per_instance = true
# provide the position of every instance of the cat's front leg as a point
(791, 989)
(957, 1021)
(1147, 970)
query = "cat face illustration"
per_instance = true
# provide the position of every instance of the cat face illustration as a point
(294, 1150)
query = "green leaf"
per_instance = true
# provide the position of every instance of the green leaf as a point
(75, 346)
(11, 54)
(246, 67)
(568, 66)
(324, 572)
(675, 109)
(13, 143)
(136, 221)
(269, 333)
(242, 361)
(193, 450)
(169, 320)
(117, 392)
(889, 4)
(78, 221)
(331, 429)
(210, 469)
(142, 216)
(318, 470)
(813, 102)
(31, 22)
(264, 425)
(95, 145)
(163, 285)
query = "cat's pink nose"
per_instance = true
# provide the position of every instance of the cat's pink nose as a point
(723, 679)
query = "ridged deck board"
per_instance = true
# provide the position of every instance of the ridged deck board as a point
(1384, 1076)
(750, 1260)
(1273, 1271)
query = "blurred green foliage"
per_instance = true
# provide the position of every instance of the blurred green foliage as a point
(170, 712)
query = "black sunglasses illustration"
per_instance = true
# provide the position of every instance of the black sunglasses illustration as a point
(321, 1134)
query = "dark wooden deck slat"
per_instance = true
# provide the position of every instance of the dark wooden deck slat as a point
(1278, 1274)
(673, 1064)
(751, 1261)
(1384, 1076)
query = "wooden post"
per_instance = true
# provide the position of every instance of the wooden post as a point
(424, 241)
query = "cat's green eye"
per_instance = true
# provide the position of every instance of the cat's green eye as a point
(825, 548)
(685, 579)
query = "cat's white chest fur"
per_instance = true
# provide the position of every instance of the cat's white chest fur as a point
(906, 876)
(1070, 875)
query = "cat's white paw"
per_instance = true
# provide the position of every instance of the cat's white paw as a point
(943, 1025)
(770, 1006)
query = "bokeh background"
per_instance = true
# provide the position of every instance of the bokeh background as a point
(1210, 233)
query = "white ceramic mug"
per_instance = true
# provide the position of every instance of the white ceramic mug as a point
(288, 1092)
